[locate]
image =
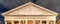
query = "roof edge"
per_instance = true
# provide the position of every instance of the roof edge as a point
(27, 4)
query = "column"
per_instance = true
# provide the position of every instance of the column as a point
(54, 21)
(33, 21)
(26, 21)
(19, 22)
(5, 22)
(12, 22)
(47, 22)
(40, 21)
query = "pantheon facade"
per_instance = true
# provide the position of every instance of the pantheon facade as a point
(30, 13)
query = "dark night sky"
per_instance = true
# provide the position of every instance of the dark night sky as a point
(53, 5)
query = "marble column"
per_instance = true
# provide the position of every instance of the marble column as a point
(5, 22)
(26, 21)
(12, 22)
(19, 22)
(40, 21)
(33, 21)
(47, 22)
(54, 21)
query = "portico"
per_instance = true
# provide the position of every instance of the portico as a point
(30, 13)
(34, 21)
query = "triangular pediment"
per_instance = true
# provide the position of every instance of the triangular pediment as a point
(30, 9)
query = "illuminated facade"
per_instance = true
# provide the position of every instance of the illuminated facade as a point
(30, 13)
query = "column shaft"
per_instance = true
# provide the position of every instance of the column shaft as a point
(12, 22)
(47, 22)
(26, 22)
(33, 21)
(40, 21)
(5, 22)
(54, 22)
(19, 22)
